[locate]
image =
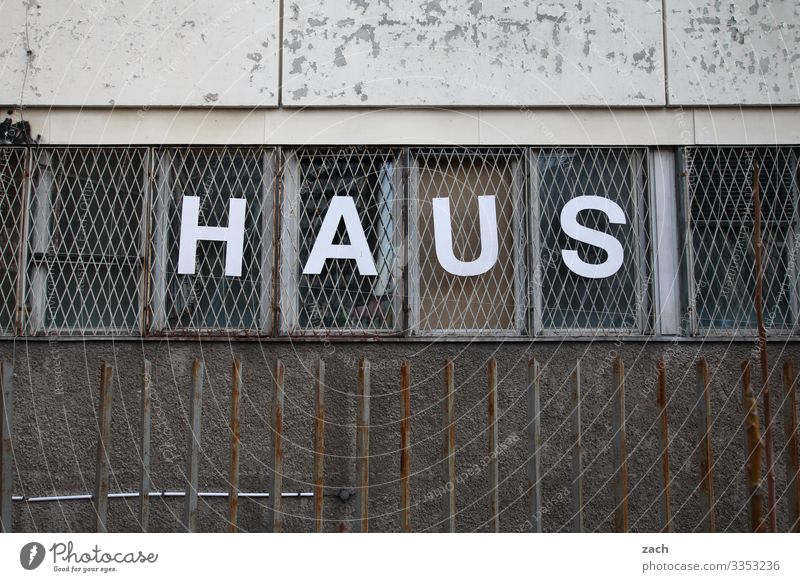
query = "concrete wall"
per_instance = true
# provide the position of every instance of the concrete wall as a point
(55, 430)
(400, 53)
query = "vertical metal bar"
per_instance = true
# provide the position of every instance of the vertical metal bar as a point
(577, 450)
(144, 481)
(6, 458)
(193, 462)
(620, 449)
(236, 439)
(269, 242)
(362, 448)
(772, 516)
(449, 451)
(663, 434)
(792, 446)
(521, 288)
(274, 512)
(753, 451)
(534, 447)
(319, 447)
(24, 229)
(101, 486)
(405, 448)
(414, 268)
(494, 480)
(535, 243)
(707, 501)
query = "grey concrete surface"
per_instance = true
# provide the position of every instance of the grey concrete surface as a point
(55, 430)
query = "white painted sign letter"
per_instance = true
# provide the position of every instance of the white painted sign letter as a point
(569, 223)
(443, 236)
(232, 235)
(341, 207)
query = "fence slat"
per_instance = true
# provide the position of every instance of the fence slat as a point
(101, 485)
(707, 501)
(405, 448)
(577, 450)
(449, 451)
(319, 447)
(362, 448)
(274, 511)
(236, 439)
(494, 477)
(620, 449)
(144, 477)
(752, 451)
(792, 446)
(665, 509)
(534, 447)
(193, 461)
(6, 458)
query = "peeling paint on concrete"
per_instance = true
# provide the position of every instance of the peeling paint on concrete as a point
(735, 52)
(450, 53)
(185, 52)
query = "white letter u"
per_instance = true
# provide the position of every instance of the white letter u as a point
(443, 237)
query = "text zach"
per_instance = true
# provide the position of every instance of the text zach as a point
(343, 209)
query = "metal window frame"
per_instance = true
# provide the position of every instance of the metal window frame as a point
(521, 259)
(288, 209)
(31, 317)
(693, 329)
(155, 312)
(642, 181)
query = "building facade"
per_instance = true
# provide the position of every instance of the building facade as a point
(407, 181)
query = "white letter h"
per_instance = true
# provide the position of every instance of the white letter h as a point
(232, 235)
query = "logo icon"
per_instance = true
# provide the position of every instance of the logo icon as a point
(31, 555)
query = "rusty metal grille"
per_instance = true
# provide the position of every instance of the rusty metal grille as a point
(495, 301)
(719, 200)
(208, 300)
(340, 300)
(86, 240)
(12, 183)
(564, 302)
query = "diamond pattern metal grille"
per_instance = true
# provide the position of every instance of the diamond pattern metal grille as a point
(85, 249)
(12, 176)
(563, 300)
(496, 300)
(720, 185)
(340, 300)
(209, 300)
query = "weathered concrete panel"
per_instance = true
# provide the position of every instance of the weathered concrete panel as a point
(736, 52)
(123, 52)
(450, 53)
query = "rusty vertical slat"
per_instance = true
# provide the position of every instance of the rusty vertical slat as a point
(707, 500)
(577, 450)
(620, 449)
(6, 458)
(405, 448)
(494, 477)
(772, 516)
(236, 439)
(534, 447)
(449, 451)
(362, 448)
(665, 510)
(274, 512)
(144, 480)
(193, 448)
(319, 447)
(792, 446)
(752, 451)
(101, 486)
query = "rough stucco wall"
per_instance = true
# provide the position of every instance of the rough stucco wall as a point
(55, 424)
(739, 52)
(123, 52)
(445, 52)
